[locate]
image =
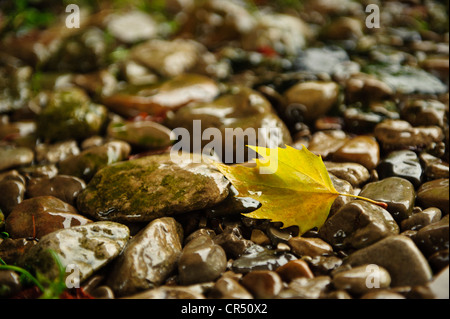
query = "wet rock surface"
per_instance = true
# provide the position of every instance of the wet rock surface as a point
(151, 187)
(148, 259)
(93, 119)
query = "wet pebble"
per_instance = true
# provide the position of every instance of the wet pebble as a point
(11, 249)
(39, 216)
(263, 284)
(343, 187)
(421, 219)
(361, 149)
(434, 194)
(357, 225)
(240, 108)
(54, 153)
(259, 237)
(70, 114)
(354, 173)
(232, 241)
(399, 134)
(312, 247)
(314, 99)
(328, 142)
(10, 283)
(148, 259)
(12, 185)
(229, 288)
(12, 157)
(398, 193)
(362, 279)
(64, 187)
(89, 161)
(294, 269)
(399, 256)
(424, 112)
(323, 265)
(259, 258)
(201, 261)
(434, 167)
(87, 247)
(141, 134)
(433, 237)
(131, 26)
(402, 163)
(307, 288)
(170, 95)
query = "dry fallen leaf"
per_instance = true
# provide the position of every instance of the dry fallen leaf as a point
(292, 185)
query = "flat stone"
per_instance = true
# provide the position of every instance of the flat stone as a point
(88, 248)
(151, 187)
(39, 216)
(361, 149)
(398, 193)
(402, 163)
(141, 134)
(148, 259)
(12, 157)
(309, 246)
(434, 194)
(399, 256)
(170, 95)
(358, 224)
(64, 187)
(354, 173)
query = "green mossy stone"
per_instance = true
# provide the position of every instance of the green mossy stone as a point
(151, 187)
(70, 115)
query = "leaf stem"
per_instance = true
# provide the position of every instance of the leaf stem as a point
(381, 204)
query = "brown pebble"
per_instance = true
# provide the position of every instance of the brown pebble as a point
(263, 284)
(309, 246)
(294, 269)
(259, 237)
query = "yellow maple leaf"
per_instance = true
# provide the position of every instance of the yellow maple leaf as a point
(292, 185)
